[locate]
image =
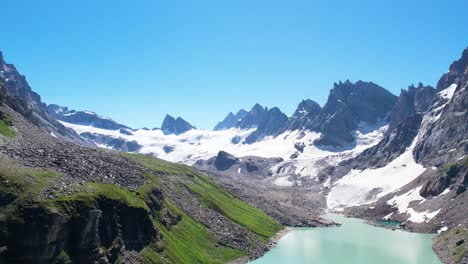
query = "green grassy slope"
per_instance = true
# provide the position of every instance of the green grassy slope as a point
(215, 197)
(6, 125)
(202, 246)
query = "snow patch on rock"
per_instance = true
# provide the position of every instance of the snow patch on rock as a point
(366, 186)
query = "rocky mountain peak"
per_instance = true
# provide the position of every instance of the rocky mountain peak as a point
(272, 123)
(348, 105)
(253, 118)
(230, 120)
(306, 111)
(176, 126)
(414, 100)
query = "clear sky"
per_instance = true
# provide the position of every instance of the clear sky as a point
(137, 60)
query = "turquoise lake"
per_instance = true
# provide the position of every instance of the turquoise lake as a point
(354, 242)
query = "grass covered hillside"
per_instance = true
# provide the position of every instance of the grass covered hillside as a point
(61, 203)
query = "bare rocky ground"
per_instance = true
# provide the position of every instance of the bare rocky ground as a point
(33, 148)
(250, 179)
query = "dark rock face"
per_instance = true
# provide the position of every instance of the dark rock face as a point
(253, 118)
(251, 166)
(415, 100)
(390, 147)
(106, 224)
(224, 161)
(177, 126)
(230, 120)
(17, 94)
(349, 104)
(168, 149)
(273, 123)
(444, 130)
(453, 175)
(300, 146)
(306, 111)
(85, 118)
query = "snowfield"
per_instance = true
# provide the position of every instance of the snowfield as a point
(402, 202)
(198, 144)
(366, 186)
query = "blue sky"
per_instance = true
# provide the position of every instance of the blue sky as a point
(137, 60)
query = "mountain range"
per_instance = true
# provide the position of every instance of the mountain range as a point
(366, 153)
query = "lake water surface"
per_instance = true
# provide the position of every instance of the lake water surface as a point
(354, 242)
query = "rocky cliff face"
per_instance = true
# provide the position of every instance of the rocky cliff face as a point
(230, 120)
(444, 130)
(177, 126)
(348, 105)
(106, 223)
(19, 96)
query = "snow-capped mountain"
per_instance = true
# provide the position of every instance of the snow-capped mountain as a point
(366, 148)
(418, 171)
(86, 118)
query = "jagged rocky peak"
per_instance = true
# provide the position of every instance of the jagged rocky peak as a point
(86, 118)
(17, 86)
(230, 120)
(273, 123)
(367, 101)
(414, 100)
(456, 69)
(176, 126)
(253, 118)
(348, 105)
(306, 111)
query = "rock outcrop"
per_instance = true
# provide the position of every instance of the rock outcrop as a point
(224, 161)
